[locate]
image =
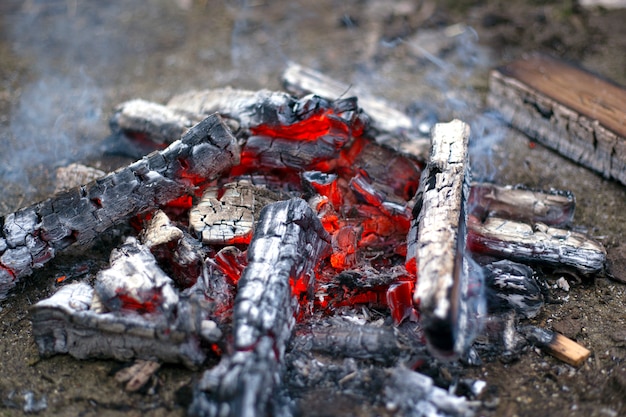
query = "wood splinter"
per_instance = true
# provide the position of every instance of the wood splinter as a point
(557, 345)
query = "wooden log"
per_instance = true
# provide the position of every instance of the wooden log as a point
(580, 115)
(288, 242)
(536, 244)
(33, 235)
(436, 242)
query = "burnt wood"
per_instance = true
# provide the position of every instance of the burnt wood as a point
(288, 242)
(436, 241)
(536, 244)
(33, 235)
(301, 80)
(568, 109)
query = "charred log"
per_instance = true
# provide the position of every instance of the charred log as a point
(512, 286)
(33, 235)
(301, 80)
(579, 115)
(288, 242)
(554, 207)
(448, 289)
(536, 244)
(133, 312)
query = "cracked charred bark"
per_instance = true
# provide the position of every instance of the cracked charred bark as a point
(288, 242)
(33, 235)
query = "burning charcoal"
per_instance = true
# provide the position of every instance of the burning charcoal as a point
(74, 175)
(287, 244)
(229, 219)
(33, 235)
(537, 244)
(554, 207)
(414, 394)
(301, 80)
(134, 282)
(274, 114)
(568, 109)
(160, 231)
(143, 120)
(449, 288)
(512, 285)
(69, 322)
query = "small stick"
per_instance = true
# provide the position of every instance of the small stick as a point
(557, 345)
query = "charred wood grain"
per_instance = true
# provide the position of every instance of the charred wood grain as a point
(574, 112)
(536, 244)
(287, 244)
(227, 214)
(33, 235)
(436, 242)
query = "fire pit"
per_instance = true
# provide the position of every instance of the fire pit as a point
(209, 247)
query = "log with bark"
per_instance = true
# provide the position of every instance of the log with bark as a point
(33, 235)
(572, 111)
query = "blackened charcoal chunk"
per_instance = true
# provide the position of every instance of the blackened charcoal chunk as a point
(511, 285)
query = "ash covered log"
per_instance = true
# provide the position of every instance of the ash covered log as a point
(141, 119)
(536, 244)
(572, 111)
(342, 338)
(133, 312)
(33, 235)
(287, 244)
(554, 207)
(448, 288)
(301, 80)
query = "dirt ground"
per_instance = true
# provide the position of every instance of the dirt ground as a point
(64, 64)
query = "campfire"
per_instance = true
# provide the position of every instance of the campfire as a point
(274, 226)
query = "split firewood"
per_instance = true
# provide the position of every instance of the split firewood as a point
(436, 243)
(536, 244)
(572, 111)
(288, 243)
(301, 80)
(557, 345)
(553, 207)
(33, 235)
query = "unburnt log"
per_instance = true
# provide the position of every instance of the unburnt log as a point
(536, 244)
(448, 288)
(33, 235)
(572, 111)
(287, 244)
(553, 207)
(301, 80)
